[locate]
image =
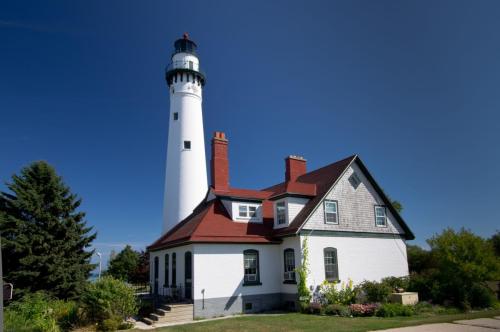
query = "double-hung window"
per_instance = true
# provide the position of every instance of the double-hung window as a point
(289, 260)
(251, 267)
(331, 212)
(331, 264)
(380, 216)
(166, 271)
(280, 213)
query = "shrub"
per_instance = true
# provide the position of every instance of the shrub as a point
(108, 299)
(395, 283)
(312, 308)
(40, 312)
(346, 294)
(362, 310)
(109, 324)
(375, 291)
(338, 310)
(394, 309)
(480, 296)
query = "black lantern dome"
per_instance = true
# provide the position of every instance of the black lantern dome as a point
(185, 45)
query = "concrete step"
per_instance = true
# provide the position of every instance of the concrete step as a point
(170, 316)
(147, 320)
(161, 312)
(176, 319)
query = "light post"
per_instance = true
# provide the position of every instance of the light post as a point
(100, 259)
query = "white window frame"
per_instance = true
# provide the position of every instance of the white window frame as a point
(335, 203)
(289, 274)
(281, 207)
(242, 207)
(377, 216)
(247, 211)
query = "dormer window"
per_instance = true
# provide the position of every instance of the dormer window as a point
(247, 211)
(280, 213)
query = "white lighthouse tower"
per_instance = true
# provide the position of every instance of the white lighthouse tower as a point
(186, 171)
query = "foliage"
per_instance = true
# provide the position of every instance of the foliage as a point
(345, 295)
(394, 309)
(45, 239)
(338, 310)
(426, 284)
(495, 242)
(311, 308)
(418, 258)
(108, 298)
(396, 283)
(302, 272)
(375, 291)
(124, 264)
(362, 310)
(397, 206)
(40, 312)
(141, 272)
(481, 296)
(464, 260)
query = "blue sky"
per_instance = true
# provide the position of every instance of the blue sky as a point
(410, 86)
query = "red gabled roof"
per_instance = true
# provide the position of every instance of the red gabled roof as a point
(210, 222)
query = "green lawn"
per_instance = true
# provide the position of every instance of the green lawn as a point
(301, 322)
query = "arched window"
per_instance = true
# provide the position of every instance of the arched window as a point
(331, 264)
(174, 270)
(251, 267)
(166, 270)
(289, 260)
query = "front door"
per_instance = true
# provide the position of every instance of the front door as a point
(188, 275)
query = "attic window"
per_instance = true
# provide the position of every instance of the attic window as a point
(247, 211)
(280, 213)
(354, 180)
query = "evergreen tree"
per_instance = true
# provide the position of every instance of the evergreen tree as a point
(141, 273)
(124, 265)
(45, 239)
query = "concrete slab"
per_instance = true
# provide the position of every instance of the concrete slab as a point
(482, 322)
(442, 327)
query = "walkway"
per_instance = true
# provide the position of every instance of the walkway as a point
(470, 325)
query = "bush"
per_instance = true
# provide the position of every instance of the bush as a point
(108, 299)
(338, 310)
(312, 308)
(480, 296)
(40, 312)
(375, 291)
(363, 310)
(395, 283)
(346, 294)
(394, 309)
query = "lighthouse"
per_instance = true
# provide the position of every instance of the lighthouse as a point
(186, 171)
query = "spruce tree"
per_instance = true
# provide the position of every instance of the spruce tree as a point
(45, 240)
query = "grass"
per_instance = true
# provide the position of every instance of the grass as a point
(301, 322)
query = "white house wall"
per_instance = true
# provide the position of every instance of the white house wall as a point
(218, 279)
(360, 257)
(356, 208)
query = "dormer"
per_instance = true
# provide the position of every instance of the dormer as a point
(244, 211)
(286, 209)
(293, 194)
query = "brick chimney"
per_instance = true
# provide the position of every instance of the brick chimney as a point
(219, 164)
(295, 167)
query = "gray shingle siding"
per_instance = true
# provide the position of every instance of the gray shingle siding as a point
(356, 208)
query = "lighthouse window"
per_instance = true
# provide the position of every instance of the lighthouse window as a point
(187, 145)
(191, 65)
(176, 116)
